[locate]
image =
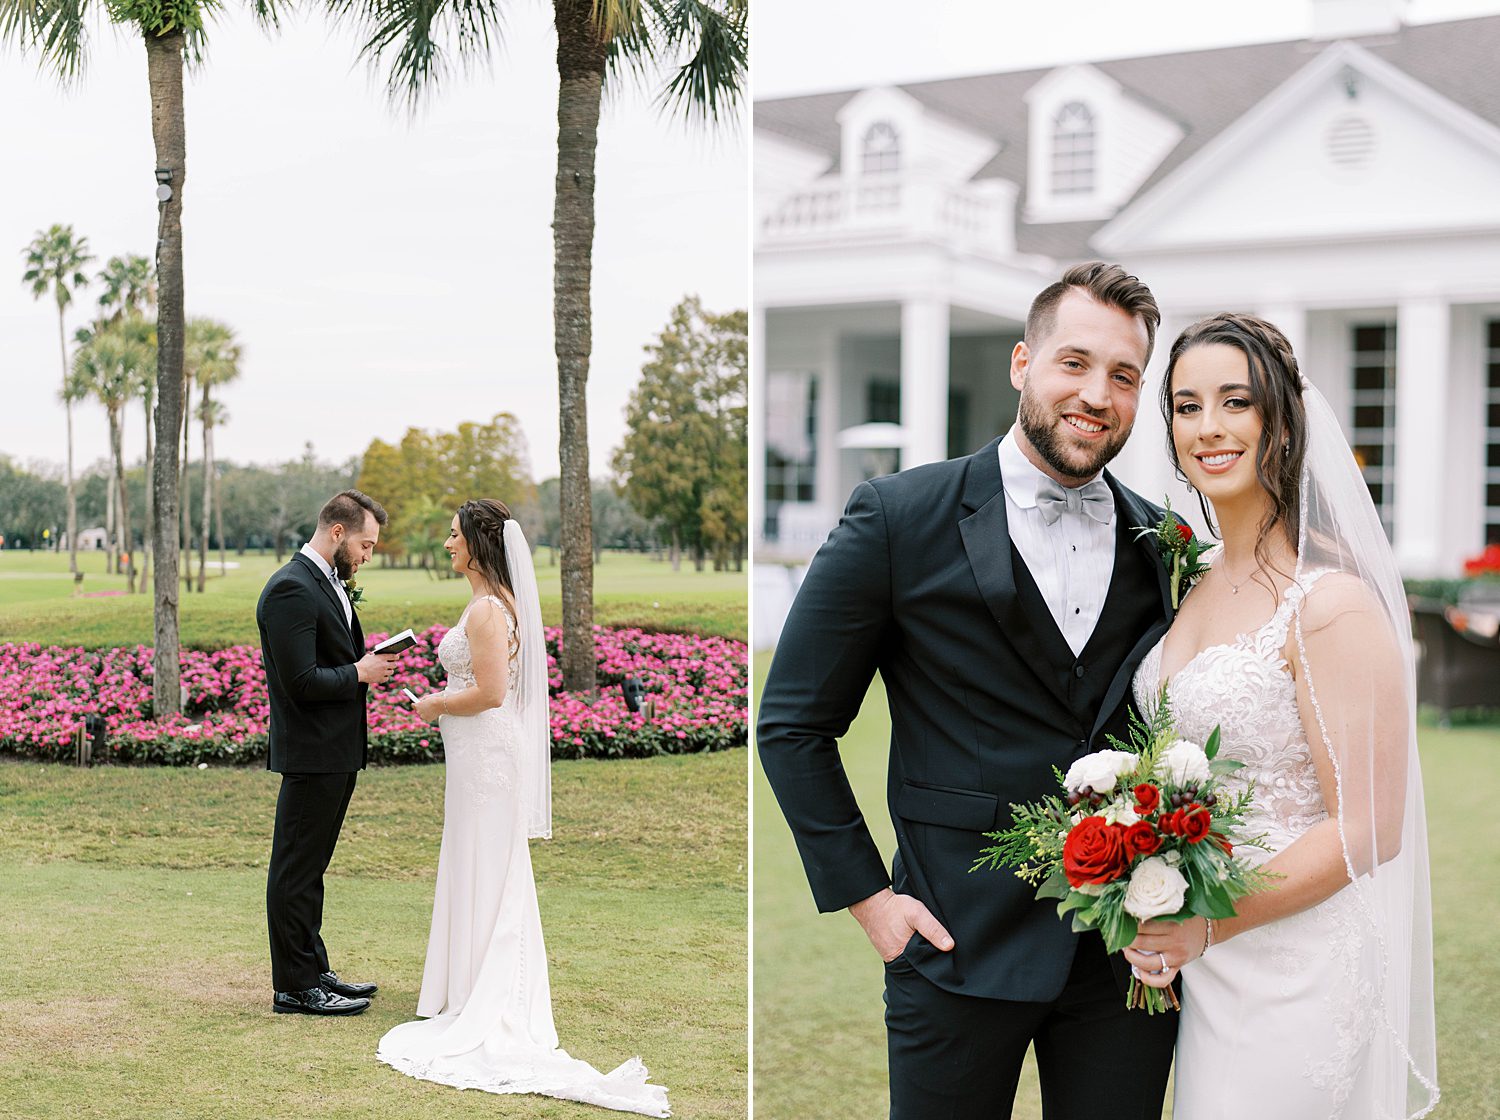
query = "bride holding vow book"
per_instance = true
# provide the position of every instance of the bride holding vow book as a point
(485, 1001)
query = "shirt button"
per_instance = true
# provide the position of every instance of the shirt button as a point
(1077, 610)
(1078, 671)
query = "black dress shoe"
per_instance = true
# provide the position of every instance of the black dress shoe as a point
(331, 982)
(317, 1001)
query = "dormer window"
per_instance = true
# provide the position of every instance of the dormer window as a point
(881, 149)
(1073, 143)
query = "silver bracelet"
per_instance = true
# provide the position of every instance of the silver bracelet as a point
(1208, 936)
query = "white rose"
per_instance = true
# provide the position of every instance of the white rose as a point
(1099, 771)
(1156, 888)
(1121, 812)
(1184, 763)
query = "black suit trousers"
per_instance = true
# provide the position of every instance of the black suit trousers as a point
(309, 813)
(956, 1057)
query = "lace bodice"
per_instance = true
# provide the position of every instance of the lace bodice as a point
(457, 657)
(1245, 688)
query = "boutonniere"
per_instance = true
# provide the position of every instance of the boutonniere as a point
(355, 592)
(1179, 551)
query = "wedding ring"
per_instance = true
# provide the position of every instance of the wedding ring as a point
(1164, 966)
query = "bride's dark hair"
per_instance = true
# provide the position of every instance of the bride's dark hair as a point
(1276, 395)
(482, 523)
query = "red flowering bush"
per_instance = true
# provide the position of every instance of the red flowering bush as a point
(699, 686)
(1486, 564)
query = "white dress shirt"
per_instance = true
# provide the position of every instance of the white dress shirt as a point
(338, 586)
(1071, 560)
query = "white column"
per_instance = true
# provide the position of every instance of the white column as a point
(1422, 375)
(1291, 320)
(757, 423)
(924, 381)
(830, 490)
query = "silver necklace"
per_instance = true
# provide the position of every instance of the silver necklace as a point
(1234, 588)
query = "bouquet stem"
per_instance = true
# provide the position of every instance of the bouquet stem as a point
(1143, 997)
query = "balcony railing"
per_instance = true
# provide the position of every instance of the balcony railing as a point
(976, 216)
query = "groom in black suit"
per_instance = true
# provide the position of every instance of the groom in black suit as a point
(318, 675)
(1005, 601)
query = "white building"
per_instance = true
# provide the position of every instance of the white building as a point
(1346, 187)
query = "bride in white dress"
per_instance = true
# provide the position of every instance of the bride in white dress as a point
(485, 995)
(1315, 1000)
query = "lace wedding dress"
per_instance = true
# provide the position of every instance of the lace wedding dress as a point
(484, 987)
(1278, 1021)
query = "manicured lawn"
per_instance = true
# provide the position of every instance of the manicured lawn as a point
(135, 980)
(37, 602)
(819, 1033)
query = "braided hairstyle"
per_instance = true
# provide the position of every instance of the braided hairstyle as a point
(482, 523)
(1276, 395)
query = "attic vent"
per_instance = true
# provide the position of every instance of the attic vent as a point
(1351, 142)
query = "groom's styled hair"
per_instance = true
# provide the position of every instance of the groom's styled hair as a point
(348, 508)
(1110, 284)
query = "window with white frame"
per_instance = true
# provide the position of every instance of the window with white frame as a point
(1492, 435)
(791, 443)
(881, 149)
(1373, 423)
(1073, 150)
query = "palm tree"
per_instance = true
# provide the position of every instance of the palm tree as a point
(217, 355)
(54, 262)
(172, 33)
(129, 292)
(108, 368)
(597, 40)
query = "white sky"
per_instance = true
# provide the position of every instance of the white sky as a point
(802, 47)
(381, 272)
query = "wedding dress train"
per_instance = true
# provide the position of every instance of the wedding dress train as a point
(484, 987)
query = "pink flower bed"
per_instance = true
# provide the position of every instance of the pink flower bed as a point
(699, 685)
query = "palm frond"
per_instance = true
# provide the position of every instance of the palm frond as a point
(419, 39)
(57, 27)
(708, 83)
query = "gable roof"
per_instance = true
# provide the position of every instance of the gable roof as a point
(1203, 91)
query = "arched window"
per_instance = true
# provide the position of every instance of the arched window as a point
(1073, 150)
(881, 152)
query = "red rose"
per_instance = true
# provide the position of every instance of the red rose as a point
(1141, 839)
(1147, 798)
(1195, 824)
(1222, 841)
(1168, 822)
(1185, 531)
(1094, 852)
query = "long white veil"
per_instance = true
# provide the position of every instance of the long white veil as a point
(1366, 714)
(531, 686)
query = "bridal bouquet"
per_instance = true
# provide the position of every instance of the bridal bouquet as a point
(1142, 832)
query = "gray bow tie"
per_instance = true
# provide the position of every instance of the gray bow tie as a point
(1092, 498)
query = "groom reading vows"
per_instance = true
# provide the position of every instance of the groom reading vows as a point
(1005, 601)
(318, 674)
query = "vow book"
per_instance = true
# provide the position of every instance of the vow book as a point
(397, 643)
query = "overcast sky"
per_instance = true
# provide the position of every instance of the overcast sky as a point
(845, 44)
(381, 271)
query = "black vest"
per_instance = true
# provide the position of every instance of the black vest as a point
(1132, 605)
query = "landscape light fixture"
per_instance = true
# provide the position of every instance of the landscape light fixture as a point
(163, 184)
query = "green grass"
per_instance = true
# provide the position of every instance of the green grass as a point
(37, 601)
(135, 981)
(819, 1033)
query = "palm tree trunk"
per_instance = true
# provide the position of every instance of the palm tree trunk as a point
(580, 68)
(111, 538)
(146, 532)
(218, 517)
(122, 504)
(62, 342)
(208, 443)
(168, 129)
(185, 492)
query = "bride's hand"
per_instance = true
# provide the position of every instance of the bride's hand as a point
(1160, 949)
(431, 706)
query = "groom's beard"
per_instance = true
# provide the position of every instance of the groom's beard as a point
(1048, 434)
(343, 561)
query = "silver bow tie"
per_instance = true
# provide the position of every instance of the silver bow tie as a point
(1092, 498)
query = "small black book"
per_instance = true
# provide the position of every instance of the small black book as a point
(397, 643)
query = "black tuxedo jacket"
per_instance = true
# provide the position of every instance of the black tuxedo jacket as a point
(921, 583)
(317, 700)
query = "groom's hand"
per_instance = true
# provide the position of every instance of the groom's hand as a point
(375, 668)
(889, 919)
